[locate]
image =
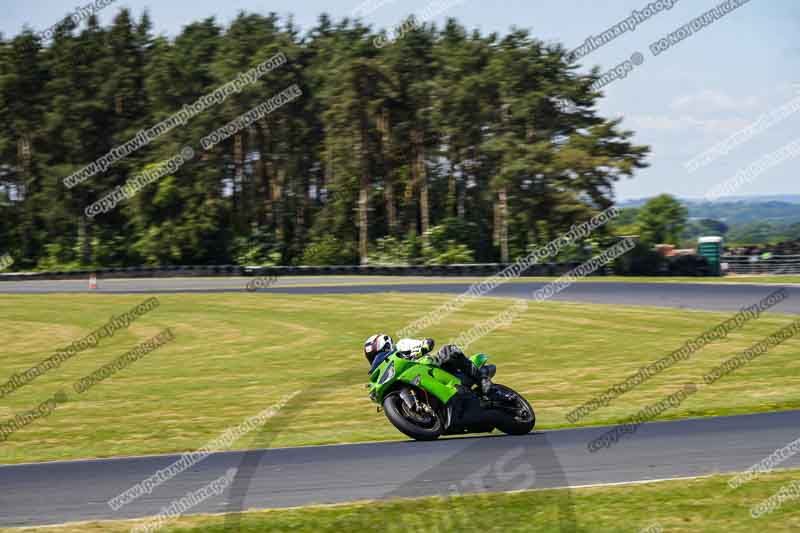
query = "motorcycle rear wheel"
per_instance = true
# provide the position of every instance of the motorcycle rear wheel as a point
(523, 420)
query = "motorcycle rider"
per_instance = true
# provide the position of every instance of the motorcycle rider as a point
(449, 357)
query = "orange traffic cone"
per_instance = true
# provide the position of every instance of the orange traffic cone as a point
(93, 281)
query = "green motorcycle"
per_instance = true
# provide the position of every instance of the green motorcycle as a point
(425, 402)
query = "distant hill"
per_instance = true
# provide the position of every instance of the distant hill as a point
(735, 213)
(786, 198)
(777, 209)
(749, 219)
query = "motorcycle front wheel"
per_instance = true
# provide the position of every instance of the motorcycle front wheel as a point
(418, 424)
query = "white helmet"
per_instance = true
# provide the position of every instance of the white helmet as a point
(377, 345)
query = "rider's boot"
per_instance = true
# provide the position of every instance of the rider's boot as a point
(482, 375)
(486, 374)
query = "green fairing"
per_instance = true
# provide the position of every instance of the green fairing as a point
(420, 373)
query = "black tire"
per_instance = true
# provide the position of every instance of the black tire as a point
(515, 425)
(395, 411)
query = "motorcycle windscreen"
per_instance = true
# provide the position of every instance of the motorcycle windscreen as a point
(378, 360)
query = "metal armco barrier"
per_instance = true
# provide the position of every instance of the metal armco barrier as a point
(479, 269)
(682, 267)
(755, 264)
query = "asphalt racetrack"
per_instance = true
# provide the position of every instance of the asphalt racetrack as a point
(49, 493)
(701, 296)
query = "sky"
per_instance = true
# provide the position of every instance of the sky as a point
(738, 71)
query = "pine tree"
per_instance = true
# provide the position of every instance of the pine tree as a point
(442, 138)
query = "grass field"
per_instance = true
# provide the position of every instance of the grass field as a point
(680, 506)
(236, 354)
(312, 281)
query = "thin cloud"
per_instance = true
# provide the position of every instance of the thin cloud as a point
(710, 101)
(686, 123)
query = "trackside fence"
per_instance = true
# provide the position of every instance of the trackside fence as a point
(755, 264)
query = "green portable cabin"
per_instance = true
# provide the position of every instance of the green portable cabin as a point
(711, 249)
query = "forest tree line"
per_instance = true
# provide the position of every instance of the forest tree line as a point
(443, 146)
